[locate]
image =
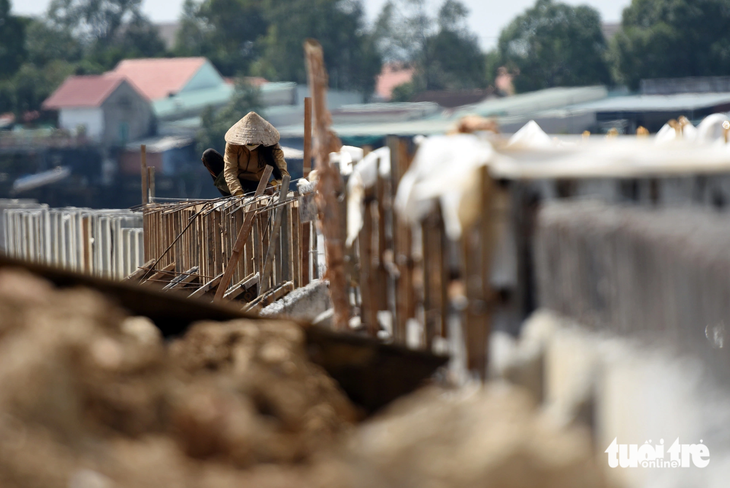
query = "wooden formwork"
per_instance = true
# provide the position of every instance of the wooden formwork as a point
(188, 245)
(414, 274)
(417, 275)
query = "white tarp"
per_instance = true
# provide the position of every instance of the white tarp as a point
(445, 168)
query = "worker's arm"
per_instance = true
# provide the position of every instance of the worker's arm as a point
(230, 170)
(280, 163)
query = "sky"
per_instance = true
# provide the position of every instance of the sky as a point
(487, 18)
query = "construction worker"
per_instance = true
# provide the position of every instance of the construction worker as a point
(213, 162)
(251, 144)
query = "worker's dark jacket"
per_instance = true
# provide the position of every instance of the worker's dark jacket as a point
(220, 183)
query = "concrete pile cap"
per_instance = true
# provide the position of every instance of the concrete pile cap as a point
(252, 129)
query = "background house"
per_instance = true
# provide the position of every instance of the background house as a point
(107, 110)
(178, 88)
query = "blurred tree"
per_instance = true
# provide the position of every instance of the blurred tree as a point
(194, 34)
(401, 30)
(554, 44)
(46, 42)
(404, 92)
(12, 41)
(445, 53)
(339, 25)
(492, 63)
(454, 59)
(672, 38)
(108, 30)
(266, 38)
(215, 124)
(138, 39)
(224, 31)
(33, 84)
(93, 20)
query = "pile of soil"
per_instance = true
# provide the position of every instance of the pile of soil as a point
(93, 398)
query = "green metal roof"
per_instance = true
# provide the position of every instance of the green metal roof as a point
(533, 102)
(188, 104)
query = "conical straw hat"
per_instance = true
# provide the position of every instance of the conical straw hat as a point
(252, 129)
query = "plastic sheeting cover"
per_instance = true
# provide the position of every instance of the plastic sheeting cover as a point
(445, 169)
(530, 135)
(365, 175)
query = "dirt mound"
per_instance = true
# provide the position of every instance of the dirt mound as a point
(93, 398)
(86, 390)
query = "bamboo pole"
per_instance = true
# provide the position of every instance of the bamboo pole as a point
(242, 237)
(307, 162)
(329, 184)
(143, 163)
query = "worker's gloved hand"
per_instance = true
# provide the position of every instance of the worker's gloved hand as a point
(238, 194)
(270, 190)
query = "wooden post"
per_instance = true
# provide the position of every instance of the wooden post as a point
(328, 186)
(307, 161)
(314, 249)
(304, 246)
(295, 244)
(479, 244)
(398, 243)
(369, 307)
(242, 237)
(273, 242)
(143, 162)
(151, 183)
(488, 240)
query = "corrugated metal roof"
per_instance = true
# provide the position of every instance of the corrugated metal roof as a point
(657, 103)
(160, 144)
(533, 102)
(159, 77)
(191, 103)
(82, 91)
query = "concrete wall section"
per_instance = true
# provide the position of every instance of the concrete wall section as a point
(305, 303)
(623, 389)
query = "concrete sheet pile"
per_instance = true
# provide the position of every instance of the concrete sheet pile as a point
(660, 274)
(105, 243)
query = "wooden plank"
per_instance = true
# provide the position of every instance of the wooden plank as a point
(270, 297)
(398, 242)
(276, 229)
(488, 240)
(314, 245)
(206, 287)
(151, 184)
(140, 272)
(307, 161)
(217, 241)
(165, 275)
(329, 184)
(472, 313)
(280, 292)
(242, 287)
(183, 279)
(242, 237)
(368, 307)
(143, 170)
(286, 261)
(382, 249)
(304, 251)
(296, 228)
